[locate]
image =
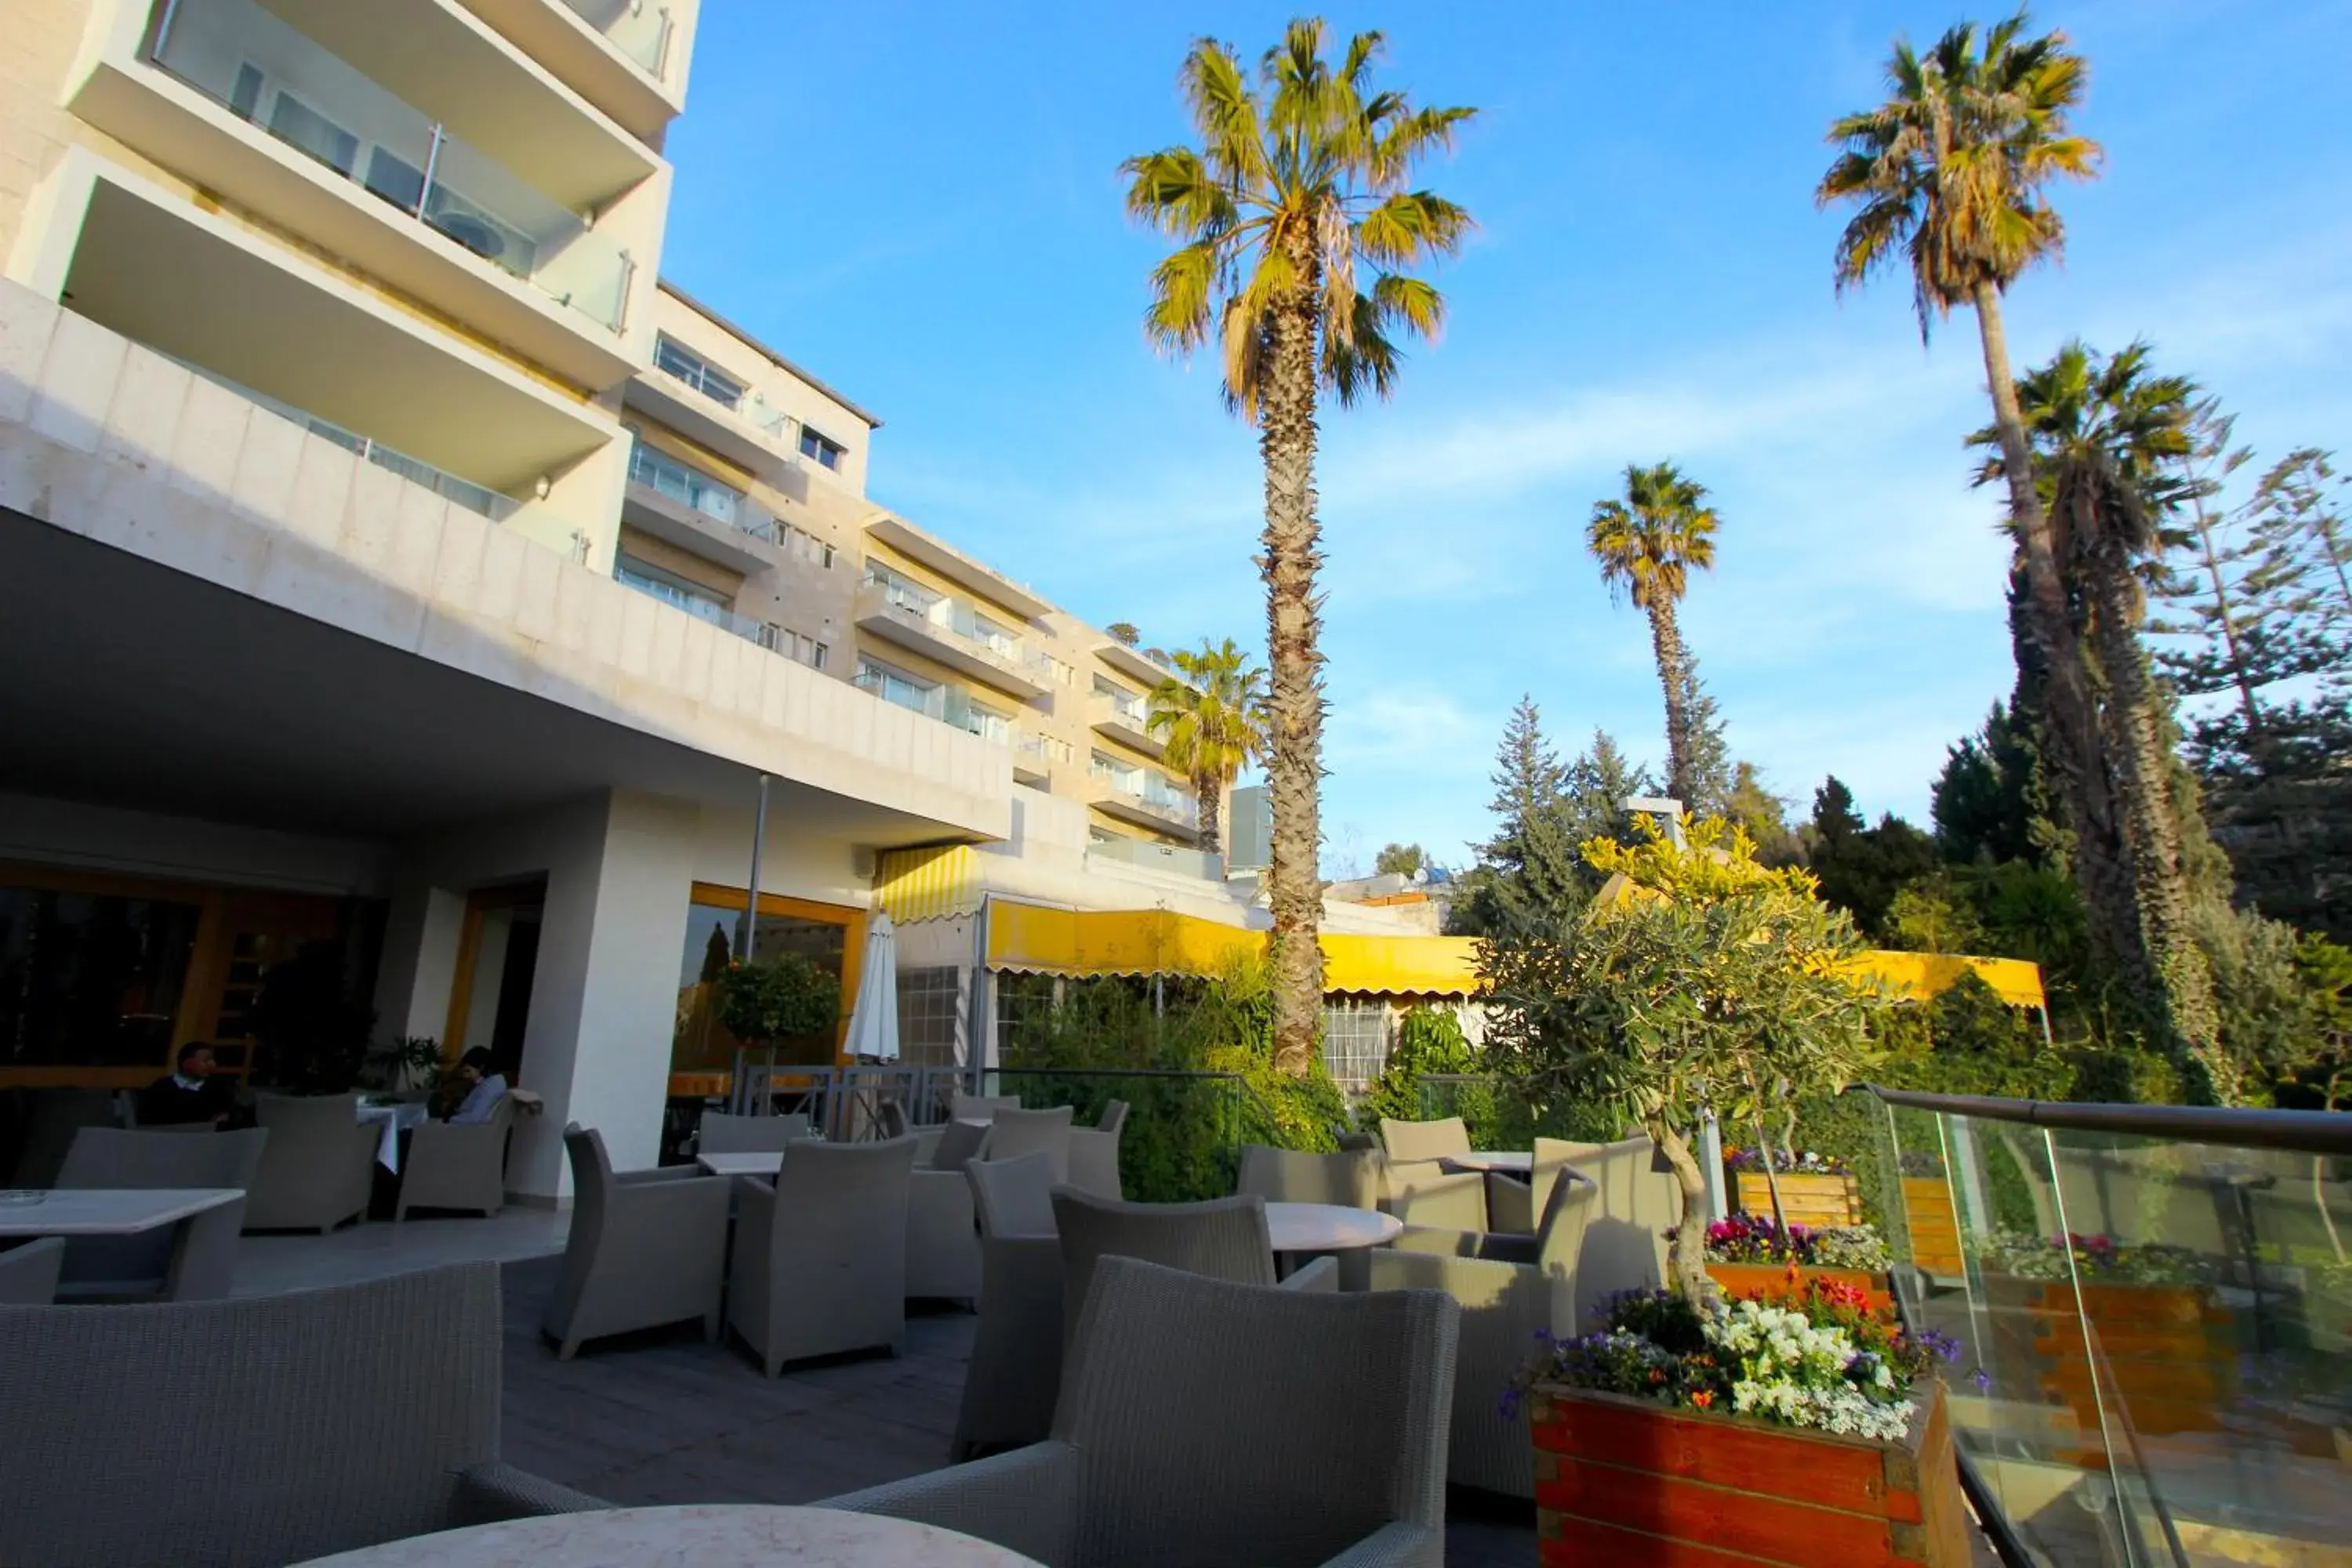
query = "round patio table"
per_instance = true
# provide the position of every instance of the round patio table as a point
(1513, 1162)
(702, 1536)
(1328, 1227)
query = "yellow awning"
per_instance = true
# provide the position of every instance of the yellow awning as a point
(1916, 977)
(1044, 941)
(928, 883)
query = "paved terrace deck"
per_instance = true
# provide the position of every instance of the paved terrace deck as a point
(662, 1418)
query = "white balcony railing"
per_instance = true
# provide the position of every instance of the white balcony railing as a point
(637, 29)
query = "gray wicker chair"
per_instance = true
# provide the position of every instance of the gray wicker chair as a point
(113, 1267)
(318, 1169)
(646, 1247)
(1289, 1176)
(957, 1142)
(28, 1274)
(1638, 1203)
(1017, 1133)
(1505, 1303)
(243, 1434)
(720, 1133)
(1016, 1351)
(1113, 1117)
(1094, 1153)
(962, 1107)
(1224, 1238)
(1153, 1458)
(1415, 1186)
(820, 1262)
(458, 1167)
(942, 1242)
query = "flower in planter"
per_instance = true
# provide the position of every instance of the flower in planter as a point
(1758, 1238)
(1788, 1163)
(2097, 1258)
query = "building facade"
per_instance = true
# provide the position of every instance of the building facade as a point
(403, 591)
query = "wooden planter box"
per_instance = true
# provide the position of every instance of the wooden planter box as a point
(1623, 1481)
(1935, 1229)
(1770, 1281)
(1813, 1201)
(2169, 1353)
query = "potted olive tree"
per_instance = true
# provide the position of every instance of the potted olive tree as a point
(785, 1003)
(1808, 1428)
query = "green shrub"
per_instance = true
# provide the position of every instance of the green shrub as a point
(786, 997)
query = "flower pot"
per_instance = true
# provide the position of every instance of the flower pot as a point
(1814, 1202)
(1620, 1479)
(1771, 1281)
(1935, 1229)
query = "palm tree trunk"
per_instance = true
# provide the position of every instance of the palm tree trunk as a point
(1666, 643)
(1210, 790)
(2070, 714)
(1294, 768)
(2183, 981)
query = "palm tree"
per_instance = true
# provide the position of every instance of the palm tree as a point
(1947, 176)
(1295, 199)
(1648, 544)
(1212, 722)
(2111, 440)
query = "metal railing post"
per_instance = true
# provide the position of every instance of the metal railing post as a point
(432, 166)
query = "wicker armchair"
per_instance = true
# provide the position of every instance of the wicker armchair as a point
(244, 1434)
(1288, 1176)
(458, 1167)
(1149, 1463)
(942, 1242)
(1511, 1288)
(1017, 1352)
(28, 1274)
(962, 1107)
(646, 1247)
(1415, 1186)
(1224, 1238)
(1017, 1133)
(318, 1169)
(114, 1267)
(820, 1262)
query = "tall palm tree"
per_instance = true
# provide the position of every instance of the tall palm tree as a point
(1294, 227)
(1212, 722)
(2111, 440)
(1947, 176)
(1648, 544)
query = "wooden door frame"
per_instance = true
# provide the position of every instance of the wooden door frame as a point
(480, 902)
(849, 917)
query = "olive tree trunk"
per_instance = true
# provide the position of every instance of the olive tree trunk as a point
(1691, 1277)
(2070, 715)
(1294, 767)
(1666, 643)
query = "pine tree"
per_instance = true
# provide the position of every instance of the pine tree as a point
(1707, 762)
(1983, 803)
(1860, 868)
(1600, 783)
(1530, 865)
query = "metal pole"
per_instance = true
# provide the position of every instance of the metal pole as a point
(746, 925)
(980, 1026)
(431, 165)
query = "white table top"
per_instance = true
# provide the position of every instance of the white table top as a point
(1518, 1161)
(111, 1211)
(707, 1535)
(753, 1163)
(1328, 1227)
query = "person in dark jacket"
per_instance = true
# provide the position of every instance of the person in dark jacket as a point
(197, 1091)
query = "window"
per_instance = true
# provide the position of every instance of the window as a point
(803, 545)
(806, 650)
(822, 448)
(898, 687)
(1053, 669)
(1129, 704)
(1355, 1039)
(667, 475)
(697, 372)
(929, 1003)
(671, 589)
(997, 639)
(90, 979)
(983, 721)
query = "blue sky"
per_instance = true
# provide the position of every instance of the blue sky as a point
(921, 205)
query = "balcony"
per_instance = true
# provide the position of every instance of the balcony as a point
(1033, 758)
(231, 95)
(1127, 720)
(947, 631)
(687, 394)
(628, 57)
(146, 263)
(956, 566)
(1146, 799)
(673, 502)
(1172, 858)
(699, 606)
(1135, 664)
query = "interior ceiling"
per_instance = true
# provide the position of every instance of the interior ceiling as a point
(155, 277)
(128, 684)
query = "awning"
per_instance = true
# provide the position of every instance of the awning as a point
(927, 883)
(1916, 976)
(1040, 939)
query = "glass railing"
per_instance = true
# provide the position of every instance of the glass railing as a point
(638, 29)
(720, 504)
(2155, 1311)
(265, 72)
(1158, 856)
(699, 606)
(682, 363)
(1111, 707)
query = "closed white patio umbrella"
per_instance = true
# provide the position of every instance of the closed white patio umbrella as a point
(874, 1021)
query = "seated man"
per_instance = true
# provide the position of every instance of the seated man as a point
(195, 1092)
(485, 1087)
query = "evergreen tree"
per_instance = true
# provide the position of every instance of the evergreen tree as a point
(1860, 868)
(1706, 760)
(1530, 865)
(1599, 784)
(1764, 817)
(1983, 803)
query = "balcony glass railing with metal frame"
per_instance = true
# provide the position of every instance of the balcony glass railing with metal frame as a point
(665, 475)
(701, 606)
(638, 29)
(256, 65)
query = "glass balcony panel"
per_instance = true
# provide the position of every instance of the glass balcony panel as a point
(266, 72)
(637, 29)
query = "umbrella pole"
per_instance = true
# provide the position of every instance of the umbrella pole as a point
(746, 925)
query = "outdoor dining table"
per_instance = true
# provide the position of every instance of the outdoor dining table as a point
(201, 1257)
(1328, 1227)
(751, 1162)
(707, 1535)
(394, 1119)
(1513, 1162)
